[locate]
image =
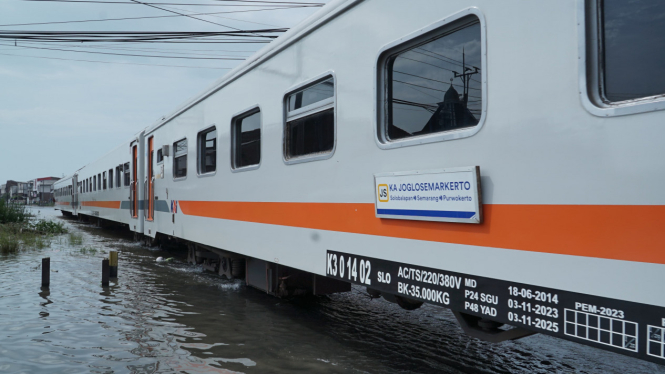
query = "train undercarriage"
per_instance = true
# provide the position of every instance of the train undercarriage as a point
(284, 282)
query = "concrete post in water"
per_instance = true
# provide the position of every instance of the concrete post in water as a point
(113, 264)
(46, 272)
(105, 272)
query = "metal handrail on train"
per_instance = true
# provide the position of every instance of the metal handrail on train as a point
(131, 198)
(145, 193)
(152, 197)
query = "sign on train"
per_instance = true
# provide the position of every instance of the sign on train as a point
(445, 195)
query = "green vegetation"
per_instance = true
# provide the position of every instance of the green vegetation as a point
(75, 239)
(14, 237)
(35, 240)
(8, 244)
(48, 227)
(88, 251)
(11, 213)
(18, 231)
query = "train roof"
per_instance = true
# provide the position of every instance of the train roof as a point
(313, 22)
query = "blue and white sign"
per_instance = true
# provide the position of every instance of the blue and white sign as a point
(445, 195)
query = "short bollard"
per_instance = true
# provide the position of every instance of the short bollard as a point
(46, 272)
(113, 264)
(105, 272)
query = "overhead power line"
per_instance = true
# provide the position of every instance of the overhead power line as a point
(147, 17)
(142, 36)
(183, 14)
(434, 80)
(133, 55)
(235, 19)
(143, 49)
(187, 4)
(429, 88)
(114, 62)
(270, 2)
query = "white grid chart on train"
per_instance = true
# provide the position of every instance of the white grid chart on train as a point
(656, 341)
(601, 329)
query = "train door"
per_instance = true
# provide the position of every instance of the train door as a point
(75, 194)
(150, 179)
(134, 202)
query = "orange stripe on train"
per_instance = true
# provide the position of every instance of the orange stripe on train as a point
(619, 232)
(102, 204)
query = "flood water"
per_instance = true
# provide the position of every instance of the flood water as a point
(175, 318)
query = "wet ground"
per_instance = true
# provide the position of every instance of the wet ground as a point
(175, 318)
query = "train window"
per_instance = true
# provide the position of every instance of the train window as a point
(104, 181)
(246, 140)
(160, 156)
(310, 121)
(433, 84)
(99, 181)
(110, 178)
(180, 159)
(631, 66)
(207, 151)
(126, 167)
(94, 183)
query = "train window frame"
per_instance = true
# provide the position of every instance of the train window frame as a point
(160, 156)
(126, 174)
(432, 31)
(175, 156)
(311, 109)
(238, 116)
(590, 69)
(200, 149)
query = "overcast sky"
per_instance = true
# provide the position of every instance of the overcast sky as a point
(58, 115)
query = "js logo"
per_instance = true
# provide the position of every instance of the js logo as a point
(383, 193)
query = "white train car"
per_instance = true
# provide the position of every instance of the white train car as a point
(110, 188)
(64, 195)
(502, 159)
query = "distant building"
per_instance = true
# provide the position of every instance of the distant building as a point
(41, 190)
(18, 191)
(452, 113)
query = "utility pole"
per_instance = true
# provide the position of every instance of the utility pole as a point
(466, 77)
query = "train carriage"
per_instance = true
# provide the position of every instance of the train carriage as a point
(109, 188)
(487, 157)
